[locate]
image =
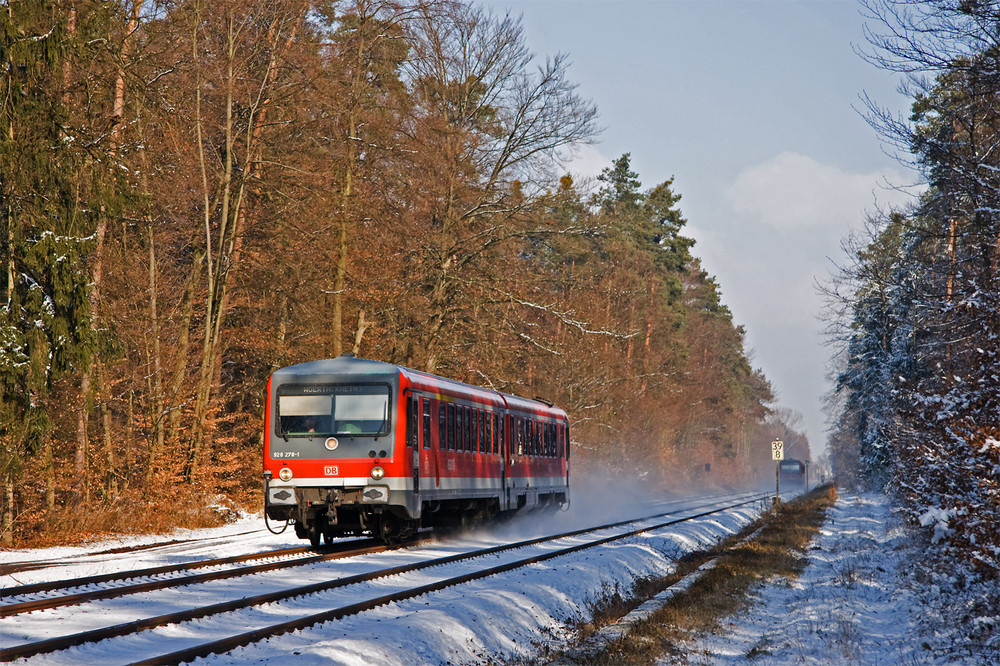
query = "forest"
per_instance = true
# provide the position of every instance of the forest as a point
(194, 194)
(916, 410)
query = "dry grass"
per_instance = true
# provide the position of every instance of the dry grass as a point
(77, 522)
(773, 550)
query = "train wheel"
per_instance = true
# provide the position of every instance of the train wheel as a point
(389, 529)
(315, 531)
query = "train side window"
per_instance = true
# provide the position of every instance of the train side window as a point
(451, 427)
(411, 421)
(504, 446)
(484, 440)
(442, 427)
(474, 415)
(426, 410)
(481, 431)
(468, 429)
(461, 443)
(491, 432)
(476, 446)
(488, 427)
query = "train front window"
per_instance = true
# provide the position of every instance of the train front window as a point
(344, 410)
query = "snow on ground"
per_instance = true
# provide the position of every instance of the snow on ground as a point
(245, 535)
(864, 598)
(508, 616)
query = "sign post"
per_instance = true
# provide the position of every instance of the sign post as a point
(777, 455)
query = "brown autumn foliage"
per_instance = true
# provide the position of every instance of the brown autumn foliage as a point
(273, 182)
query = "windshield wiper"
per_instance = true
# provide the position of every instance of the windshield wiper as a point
(385, 421)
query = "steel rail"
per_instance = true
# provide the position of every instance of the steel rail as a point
(69, 583)
(148, 586)
(33, 565)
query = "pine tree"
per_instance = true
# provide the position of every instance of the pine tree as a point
(45, 329)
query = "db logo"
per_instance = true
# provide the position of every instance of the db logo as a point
(331, 470)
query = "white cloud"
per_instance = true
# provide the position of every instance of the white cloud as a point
(792, 191)
(587, 163)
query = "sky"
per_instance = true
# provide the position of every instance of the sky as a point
(754, 108)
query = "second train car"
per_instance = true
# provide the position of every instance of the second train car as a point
(355, 446)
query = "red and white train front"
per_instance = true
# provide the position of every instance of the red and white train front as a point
(356, 446)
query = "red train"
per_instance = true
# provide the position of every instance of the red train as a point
(792, 473)
(355, 446)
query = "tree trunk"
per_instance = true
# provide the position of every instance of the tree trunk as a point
(49, 473)
(232, 220)
(183, 346)
(93, 293)
(111, 476)
(156, 383)
(340, 275)
(7, 522)
(360, 332)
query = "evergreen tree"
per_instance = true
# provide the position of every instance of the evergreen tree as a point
(923, 365)
(45, 329)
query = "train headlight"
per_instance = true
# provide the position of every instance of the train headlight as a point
(285, 474)
(377, 472)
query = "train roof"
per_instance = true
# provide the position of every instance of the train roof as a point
(345, 364)
(332, 369)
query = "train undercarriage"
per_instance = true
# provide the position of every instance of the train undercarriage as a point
(325, 518)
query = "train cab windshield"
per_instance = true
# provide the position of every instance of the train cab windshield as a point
(344, 410)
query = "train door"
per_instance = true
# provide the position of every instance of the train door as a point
(425, 437)
(506, 450)
(498, 448)
(564, 449)
(413, 438)
(440, 441)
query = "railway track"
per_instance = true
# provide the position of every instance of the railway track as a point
(284, 558)
(513, 555)
(9, 568)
